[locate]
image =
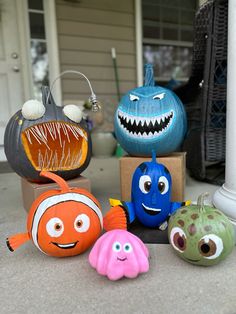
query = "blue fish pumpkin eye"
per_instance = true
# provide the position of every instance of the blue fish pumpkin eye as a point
(163, 185)
(145, 184)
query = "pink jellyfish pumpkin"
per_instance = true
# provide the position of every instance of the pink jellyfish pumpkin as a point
(119, 253)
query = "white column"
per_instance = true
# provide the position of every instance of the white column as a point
(225, 197)
(139, 41)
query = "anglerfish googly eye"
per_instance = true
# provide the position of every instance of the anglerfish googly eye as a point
(73, 112)
(159, 96)
(145, 184)
(82, 223)
(163, 185)
(55, 227)
(133, 97)
(127, 247)
(116, 247)
(178, 239)
(33, 109)
(210, 246)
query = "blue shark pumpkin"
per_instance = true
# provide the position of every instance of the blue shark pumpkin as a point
(150, 197)
(150, 117)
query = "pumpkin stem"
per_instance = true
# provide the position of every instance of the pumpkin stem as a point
(61, 182)
(154, 156)
(149, 77)
(47, 96)
(200, 200)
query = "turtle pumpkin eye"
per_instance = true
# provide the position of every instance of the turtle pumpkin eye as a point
(145, 184)
(73, 112)
(159, 96)
(82, 223)
(163, 185)
(210, 246)
(133, 97)
(33, 109)
(178, 239)
(55, 227)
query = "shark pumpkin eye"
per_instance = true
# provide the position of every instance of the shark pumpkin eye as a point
(33, 109)
(133, 97)
(73, 112)
(159, 96)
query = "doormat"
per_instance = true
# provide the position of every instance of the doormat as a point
(148, 235)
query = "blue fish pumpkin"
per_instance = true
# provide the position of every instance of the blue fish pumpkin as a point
(150, 118)
(150, 198)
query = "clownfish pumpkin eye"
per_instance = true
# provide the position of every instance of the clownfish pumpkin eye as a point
(82, 223)
(159, 96)
(55, 227)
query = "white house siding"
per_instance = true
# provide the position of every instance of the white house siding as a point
(87, 30)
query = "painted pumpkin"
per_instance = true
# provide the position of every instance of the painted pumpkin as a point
(150, 197)
(63, 222)
(46, 137)
(200, 234)
(150, 117)
(119, 253)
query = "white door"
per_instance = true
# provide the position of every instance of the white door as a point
(11, 84)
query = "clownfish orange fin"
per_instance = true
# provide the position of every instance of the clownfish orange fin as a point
(115, 219)
(17, 240)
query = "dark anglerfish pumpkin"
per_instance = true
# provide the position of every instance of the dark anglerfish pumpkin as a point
(46, 137)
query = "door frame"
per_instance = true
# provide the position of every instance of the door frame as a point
(52, 46)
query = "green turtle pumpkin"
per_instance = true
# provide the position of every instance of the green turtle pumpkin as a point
(200, 234)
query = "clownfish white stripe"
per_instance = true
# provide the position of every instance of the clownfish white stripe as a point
(56, 199)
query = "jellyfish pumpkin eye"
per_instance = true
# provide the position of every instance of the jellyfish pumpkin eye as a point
(178, 239)
(55, 227)
(116, 247)
(210, 246)
(82, 223)
(127, 247)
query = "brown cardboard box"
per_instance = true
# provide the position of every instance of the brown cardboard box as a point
(30, 191)
(175, 163)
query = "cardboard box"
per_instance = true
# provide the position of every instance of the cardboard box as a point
(175, 162)
(30, 191)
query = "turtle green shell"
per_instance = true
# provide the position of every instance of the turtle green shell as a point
(201, 235)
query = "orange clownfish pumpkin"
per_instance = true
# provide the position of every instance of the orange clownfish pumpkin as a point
(63, 222)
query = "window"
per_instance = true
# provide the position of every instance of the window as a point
(38, 46)
(168, 37)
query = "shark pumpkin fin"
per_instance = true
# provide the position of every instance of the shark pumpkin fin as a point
(115, 219)
(17, 240)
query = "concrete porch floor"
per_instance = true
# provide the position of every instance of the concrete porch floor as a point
(32, 282)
